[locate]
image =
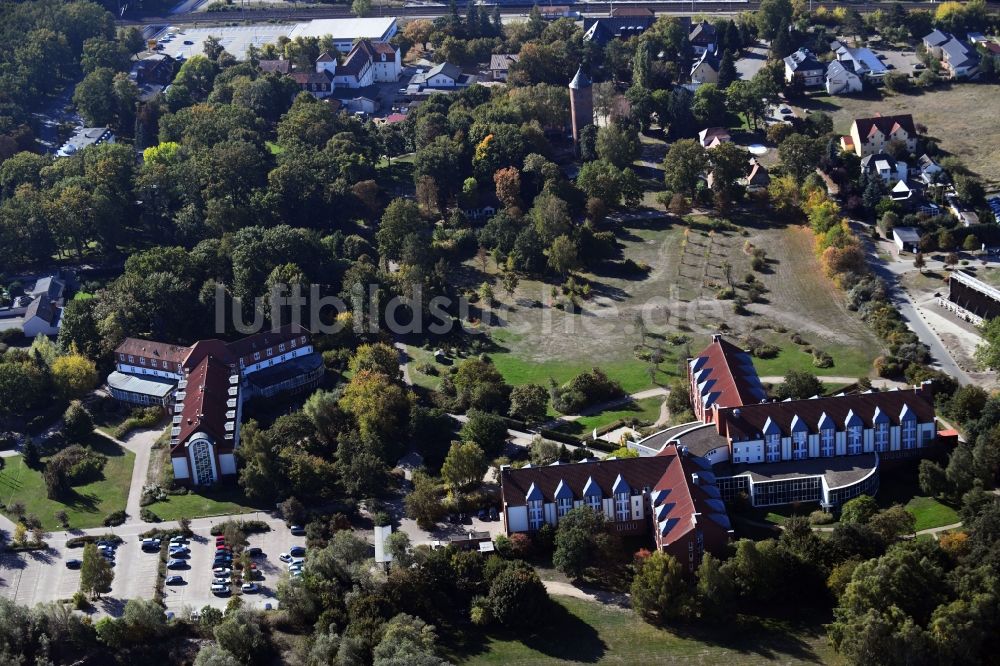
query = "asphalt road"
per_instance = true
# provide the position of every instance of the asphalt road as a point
(943, 360)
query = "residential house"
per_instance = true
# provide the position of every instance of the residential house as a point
(153, 68)
(706, 68)
(43, 317)
(319, 82)
(702, 38)
(84, 137)
(840, 80)
(958, 59)
(603, 30)
(711, 137)
(279, 66)
(368, 63)
(500, 65)
(51, 286)
(907, 239)
(443, 76)
(671, 495)
(861, 61)
(802, 68)
(873, 135)
(930, 171)
(901, 193)
(888, 169)
(759, 177)
(209, 383)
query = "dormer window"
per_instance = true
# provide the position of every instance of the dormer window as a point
(622, 511)
(535, 514)
(281, 347)
(142, 360)
(909, 433)
(799, 449)
(854, 440)
(826, 437)
(773, 447)
(882, 437)
(270, 351)
(256, 356)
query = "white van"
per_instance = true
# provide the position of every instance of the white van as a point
(220, 589)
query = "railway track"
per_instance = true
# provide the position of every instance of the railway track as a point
(344, 11)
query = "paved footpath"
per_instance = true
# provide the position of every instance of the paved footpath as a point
(139, 442)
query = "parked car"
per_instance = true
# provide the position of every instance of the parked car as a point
(493, 513)
(222, 571)
(296, 566)
(179, 539)
(297, 530)
(104, 542)
(250, 588)
(222, 580)
(297, 551)
(174, 550)
(482, 514)
(255, 552)
(220, 590)
(188, 42)
(174, 580)
(285, 557)
(73, 564)
(177, 564)
(920, 65)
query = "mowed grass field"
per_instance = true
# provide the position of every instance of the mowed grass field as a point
(221, 501)
(958, 117)
(88, 505)
(586, 632)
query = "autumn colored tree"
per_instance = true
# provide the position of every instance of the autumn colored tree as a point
(508, 184)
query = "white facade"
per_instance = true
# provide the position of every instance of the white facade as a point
(387, 69)
(263, 361)
(38, 326)
(130, 369)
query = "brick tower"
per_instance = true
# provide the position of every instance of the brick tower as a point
(581, 103)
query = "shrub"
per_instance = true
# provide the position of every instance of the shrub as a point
(381, 518)
(587, 388)
(822, 359)
(148, 516)
(820, 517)
(80, 601)
(725, 294)
(115, 519)
(246, 526)
(428, 369)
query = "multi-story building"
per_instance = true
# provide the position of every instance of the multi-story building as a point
(671, 494)
(873, 135)
(823, 449)
(958, 59)
(802, 68)
(208, 383)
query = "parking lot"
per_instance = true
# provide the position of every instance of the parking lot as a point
(39, 576)
(196, 591)
(900, 61)
(36, 577)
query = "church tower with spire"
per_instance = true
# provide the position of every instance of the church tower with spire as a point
(581, 103)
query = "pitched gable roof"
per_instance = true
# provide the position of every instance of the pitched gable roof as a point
(206, 402)
(501, 62)
(278, 66)
(451, 71)
(43, 308)
(725, 376)
(885, 124)
(702, 34)
(750, 421)
(150, 349)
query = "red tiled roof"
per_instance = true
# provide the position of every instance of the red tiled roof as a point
(215, 348)
(205, 400)
(686, 498)
(149, 349)
(728, 374)
(747, 422)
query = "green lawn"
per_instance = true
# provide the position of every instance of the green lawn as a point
(219, 501)
(931, 513)
(848, 361)
(631, 373)
(90, 503)
(274, 148)
(586, 632)
(646, 410)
